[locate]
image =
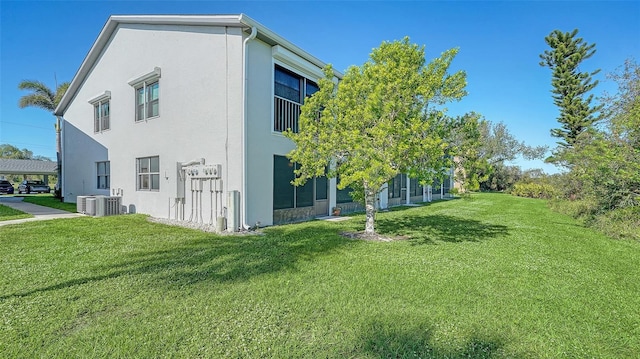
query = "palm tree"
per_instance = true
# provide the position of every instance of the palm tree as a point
(43, 97)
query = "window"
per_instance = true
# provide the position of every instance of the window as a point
(396, 185)
(147, 89)
(435, 187)
(322, 188)
(104, 174)
(286, 195)
(148, 173)
(101, 118)
(147, 101)
(101, 111)
(446, 184)
(416, 188)
(343, 195)
(290, 91)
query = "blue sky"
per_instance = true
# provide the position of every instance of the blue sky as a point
(499, 45)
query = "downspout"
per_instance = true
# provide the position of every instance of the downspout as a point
(254, 32)
(60, 159)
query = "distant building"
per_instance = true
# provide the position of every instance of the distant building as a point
(25, 168)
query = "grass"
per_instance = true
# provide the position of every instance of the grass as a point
(494, 276)
(48, 200)
(8, 214)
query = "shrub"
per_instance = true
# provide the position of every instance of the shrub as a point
(581, 208)
(622, 223)
(534, 190)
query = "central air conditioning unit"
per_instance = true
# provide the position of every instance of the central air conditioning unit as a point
(81, 204)
(90, 206)
(107, 206)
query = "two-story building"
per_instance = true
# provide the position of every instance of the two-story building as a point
(182, 117)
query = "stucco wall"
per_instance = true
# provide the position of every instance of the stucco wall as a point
(200, 97)
(262, 142)
(201, 116)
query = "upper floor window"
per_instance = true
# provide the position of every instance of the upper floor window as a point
(147, 89)
(104, 174)
(101, 111)
(148, 173)
(290, 90)
(147, 100)
(101, 116)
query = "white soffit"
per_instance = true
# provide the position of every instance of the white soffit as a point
(287, 57)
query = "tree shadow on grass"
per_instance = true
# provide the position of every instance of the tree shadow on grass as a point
(383, 341)
(235, 258)
(430, 229)
(215, 259)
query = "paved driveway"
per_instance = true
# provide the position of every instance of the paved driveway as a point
(39, 213)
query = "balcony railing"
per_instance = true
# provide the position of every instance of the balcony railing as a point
(285, 115)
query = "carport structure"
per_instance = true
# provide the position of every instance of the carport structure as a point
(28, 167)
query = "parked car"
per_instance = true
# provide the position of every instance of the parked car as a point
(28, 186)
(6, 187)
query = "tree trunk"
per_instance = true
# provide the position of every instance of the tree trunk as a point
(370, 206)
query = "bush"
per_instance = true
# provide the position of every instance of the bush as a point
(534, 190)
(622, 223)
(583, 209)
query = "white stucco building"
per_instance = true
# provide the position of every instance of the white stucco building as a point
(182, 117)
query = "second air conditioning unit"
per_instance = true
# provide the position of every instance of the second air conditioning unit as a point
(107, 205)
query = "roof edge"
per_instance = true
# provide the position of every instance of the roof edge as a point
(249, 22)
(238, 20)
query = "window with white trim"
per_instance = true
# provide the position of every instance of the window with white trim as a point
(101, 116)
(147, 100)
(103, 174)
(290, 90)
(148, 173)
(147, 92)
(101, 111)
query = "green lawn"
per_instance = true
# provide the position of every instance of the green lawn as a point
(8, 214)
(494, 276)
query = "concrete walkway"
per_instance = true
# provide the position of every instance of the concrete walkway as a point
(40, 213)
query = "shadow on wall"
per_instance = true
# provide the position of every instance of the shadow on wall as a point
(429, 229)
(392, 339)
(81, 153)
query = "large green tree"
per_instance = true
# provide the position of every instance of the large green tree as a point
(41, 96)
(570, 85)
(607, 162)
(377, 122)
(13, 152)
(481, 147)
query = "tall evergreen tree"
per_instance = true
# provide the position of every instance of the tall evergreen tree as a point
(570, 85)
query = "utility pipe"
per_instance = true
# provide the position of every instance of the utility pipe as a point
(243, 212)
